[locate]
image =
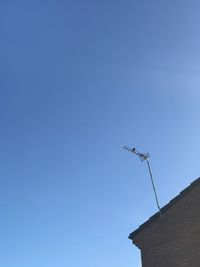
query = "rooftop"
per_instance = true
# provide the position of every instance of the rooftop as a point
(165, 208)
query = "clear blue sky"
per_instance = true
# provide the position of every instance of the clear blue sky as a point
(80, 79)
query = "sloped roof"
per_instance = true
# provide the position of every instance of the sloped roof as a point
(165, 208)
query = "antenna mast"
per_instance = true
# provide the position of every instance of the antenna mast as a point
(145, 157)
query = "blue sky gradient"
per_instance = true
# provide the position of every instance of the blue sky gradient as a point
(80, 79)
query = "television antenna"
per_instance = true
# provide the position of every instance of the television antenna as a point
(145, 157)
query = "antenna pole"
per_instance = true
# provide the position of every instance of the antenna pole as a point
(153, 184)
(145, 157)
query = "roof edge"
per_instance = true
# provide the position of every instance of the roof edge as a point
(164, 209)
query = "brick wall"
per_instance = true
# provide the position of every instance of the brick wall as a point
(175, 240)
